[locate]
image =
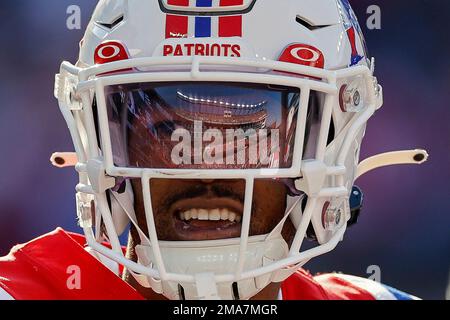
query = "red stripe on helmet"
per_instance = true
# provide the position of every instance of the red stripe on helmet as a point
(181, 3)
(229, 3)
(230, 26)
(176, 26)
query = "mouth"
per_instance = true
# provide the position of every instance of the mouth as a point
(203, 218)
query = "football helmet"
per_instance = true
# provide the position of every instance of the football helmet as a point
(298, 69)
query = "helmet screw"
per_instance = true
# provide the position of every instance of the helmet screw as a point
(338, 216)
(356, 98)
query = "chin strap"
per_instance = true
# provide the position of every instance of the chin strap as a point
(417, 156)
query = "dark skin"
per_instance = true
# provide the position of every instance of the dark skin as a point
(266, 213)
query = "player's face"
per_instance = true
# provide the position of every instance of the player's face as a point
(192, 210)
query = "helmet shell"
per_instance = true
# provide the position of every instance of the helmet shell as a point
(261, 28)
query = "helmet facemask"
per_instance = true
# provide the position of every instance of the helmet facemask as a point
(143, 108)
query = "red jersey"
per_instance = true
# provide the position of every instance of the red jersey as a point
(40, 270)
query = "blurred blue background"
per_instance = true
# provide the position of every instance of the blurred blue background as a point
(405, 225)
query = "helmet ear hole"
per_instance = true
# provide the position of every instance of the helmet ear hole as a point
(122, 206)
(331, 132)
(310, 233)
(96, 122)
(122, 188)
(296, 220)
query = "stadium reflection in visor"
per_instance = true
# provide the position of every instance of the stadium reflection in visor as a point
(202, 125)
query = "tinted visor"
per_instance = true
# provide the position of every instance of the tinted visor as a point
(199, 125)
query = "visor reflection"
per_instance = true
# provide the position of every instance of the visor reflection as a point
(202, 125)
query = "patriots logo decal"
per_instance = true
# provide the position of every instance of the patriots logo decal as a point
(183, 26)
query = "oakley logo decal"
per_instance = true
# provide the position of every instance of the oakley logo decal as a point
(303, 54)
(110, 51)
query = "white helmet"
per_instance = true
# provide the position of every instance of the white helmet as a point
(184, 51)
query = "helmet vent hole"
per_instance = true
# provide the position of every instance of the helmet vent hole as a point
(111, 25)
(308, 25)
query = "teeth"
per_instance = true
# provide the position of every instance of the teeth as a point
(214, 215)
(194, 214)
(203, 214)
(210, 215)
(224, 214)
